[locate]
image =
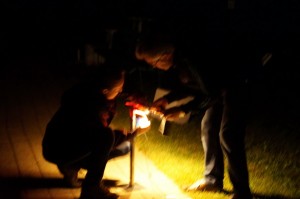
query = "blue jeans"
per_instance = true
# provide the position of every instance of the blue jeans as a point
(222, 132)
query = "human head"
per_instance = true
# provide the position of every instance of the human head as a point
(109, 80)
(156, 50)
(115, 89)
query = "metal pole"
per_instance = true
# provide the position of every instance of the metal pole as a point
(131, 182)
(133, 126)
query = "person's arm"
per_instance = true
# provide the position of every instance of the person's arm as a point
(198, 104)
(195, 106)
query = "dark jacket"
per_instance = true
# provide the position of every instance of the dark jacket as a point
(81, 120)
(205, 77)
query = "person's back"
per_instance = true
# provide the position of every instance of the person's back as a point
(79, 135)
(77, 113)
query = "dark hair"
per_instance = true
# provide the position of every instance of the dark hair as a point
(153, 44)
(106, 75)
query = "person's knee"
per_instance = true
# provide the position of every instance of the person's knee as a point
(120, 150)
(232, 140)
(124, 147)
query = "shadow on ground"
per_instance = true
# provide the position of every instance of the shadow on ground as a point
(262, 196)
(11, 187)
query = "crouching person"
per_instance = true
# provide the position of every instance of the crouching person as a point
(79, 136)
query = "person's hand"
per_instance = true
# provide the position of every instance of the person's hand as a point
(174, 113)
(121, 131)
(159, 105)
(140, 131)
(137, 132)
(137, 98)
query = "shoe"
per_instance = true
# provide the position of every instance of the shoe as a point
(241, 196)
(97, 192)
(70, 176)
(203, 185)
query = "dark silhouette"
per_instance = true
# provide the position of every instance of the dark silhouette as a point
(79, 135)
(219, 86)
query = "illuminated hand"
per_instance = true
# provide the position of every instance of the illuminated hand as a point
(174, 113)
(159, 105)
(140, 131)
(124, 131)
(137, 98)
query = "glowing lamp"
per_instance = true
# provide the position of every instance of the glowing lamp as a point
(140, 119)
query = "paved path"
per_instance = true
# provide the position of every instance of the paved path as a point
(27, 102)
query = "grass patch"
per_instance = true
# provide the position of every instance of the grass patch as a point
(272, 151)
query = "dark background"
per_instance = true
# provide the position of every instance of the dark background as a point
(50, 32)
(33, 24)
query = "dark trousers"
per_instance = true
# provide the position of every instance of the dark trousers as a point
(223, 132)
(108, 145)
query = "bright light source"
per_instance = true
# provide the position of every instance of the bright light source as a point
(140, 119)
(142, 123)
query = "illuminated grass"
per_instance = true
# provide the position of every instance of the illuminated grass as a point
(272, 150)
